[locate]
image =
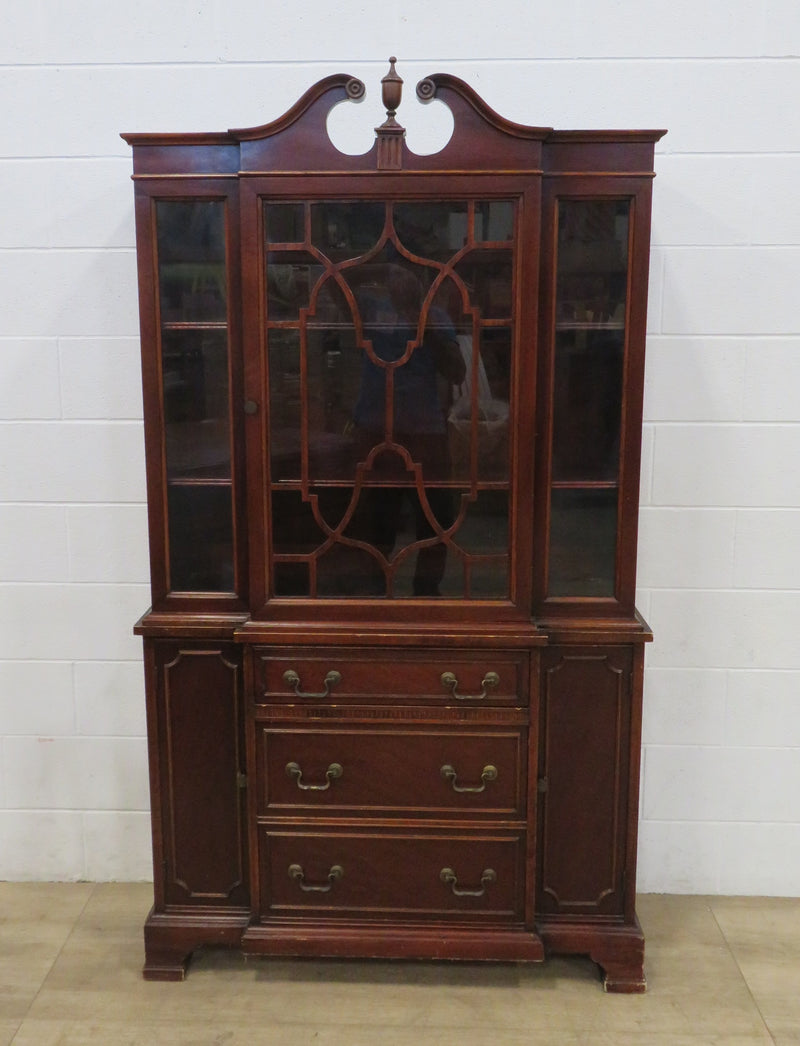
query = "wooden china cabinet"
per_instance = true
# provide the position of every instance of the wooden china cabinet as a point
(393, 420)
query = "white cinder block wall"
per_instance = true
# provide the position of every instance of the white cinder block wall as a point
(720, 553)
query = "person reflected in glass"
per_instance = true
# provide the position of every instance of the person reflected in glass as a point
(422, 391)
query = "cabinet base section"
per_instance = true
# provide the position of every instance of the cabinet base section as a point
(382, 941)
(171, 937)
(618, 949)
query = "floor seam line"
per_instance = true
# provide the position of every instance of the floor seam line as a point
(741, 972)
(57, 956)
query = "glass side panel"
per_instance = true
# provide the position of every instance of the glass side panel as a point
(191, 260)
(196, 394)
(588, 363)
(587, 404)
(390, 329)
(583, 542)
(196, 419)
(201, 537)
(591, 291)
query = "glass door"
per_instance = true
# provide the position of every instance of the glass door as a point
(590, 333)
(194, 336)
(389, 341)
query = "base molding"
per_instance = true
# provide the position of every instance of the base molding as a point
(423, 941)
(171, 937)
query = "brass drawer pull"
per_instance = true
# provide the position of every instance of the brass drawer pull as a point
(489, 682)
(489, 773)
(292, 680)
(296, 872)
(449, 877)
(334, 770)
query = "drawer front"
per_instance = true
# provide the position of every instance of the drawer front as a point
(453, 677)
(412, 873)
(356, 771)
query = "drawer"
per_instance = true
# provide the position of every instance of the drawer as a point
(373, 771)
(415, 873)
(333, 675)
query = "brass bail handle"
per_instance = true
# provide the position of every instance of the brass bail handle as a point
(448, 772)
(449, 878)
(489, 682)
(296, 872)
(334, 771)
(292, 680)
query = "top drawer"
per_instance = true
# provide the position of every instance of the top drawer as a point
(400, 676)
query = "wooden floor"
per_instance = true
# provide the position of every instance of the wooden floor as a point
(720, 970)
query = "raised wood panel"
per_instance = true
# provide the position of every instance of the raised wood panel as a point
(583, 775)
(201, 800)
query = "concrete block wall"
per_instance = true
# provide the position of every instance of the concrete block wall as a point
(720, 551)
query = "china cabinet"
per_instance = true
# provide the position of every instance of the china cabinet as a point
(393, 424)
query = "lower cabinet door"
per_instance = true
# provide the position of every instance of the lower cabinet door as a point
(196, 771)
(584, 762)
(408, 873)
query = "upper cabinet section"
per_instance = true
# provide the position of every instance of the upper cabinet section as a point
(393, 385)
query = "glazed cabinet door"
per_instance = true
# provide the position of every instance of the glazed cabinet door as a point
(189, 291)
(389, 328)
(584, 780)
(596, 237)
(197, 763)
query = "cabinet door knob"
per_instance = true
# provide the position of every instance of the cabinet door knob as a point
(292, 680)
(296, 872)
(489, 682)
(489, 773)
(250, 407)
(449, 878)
(334, 770)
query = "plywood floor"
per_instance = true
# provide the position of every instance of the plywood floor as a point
(720, 970)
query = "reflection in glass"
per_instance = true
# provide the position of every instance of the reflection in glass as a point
(285, 222)
(494, 221)
(583, 542)
(478, 419)
(292, 276)
(346, 229)
(434, 230)
(487, 275)
(592, 262)
(284, 403)
(587, 398)
(191, 260)
(389, 399)
(195, 377)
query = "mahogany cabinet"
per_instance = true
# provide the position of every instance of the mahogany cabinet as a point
(393, 426)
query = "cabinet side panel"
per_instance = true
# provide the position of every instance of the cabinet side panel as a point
(585, 765)
(200, 756)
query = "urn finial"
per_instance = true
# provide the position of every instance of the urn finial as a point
(392, 92)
